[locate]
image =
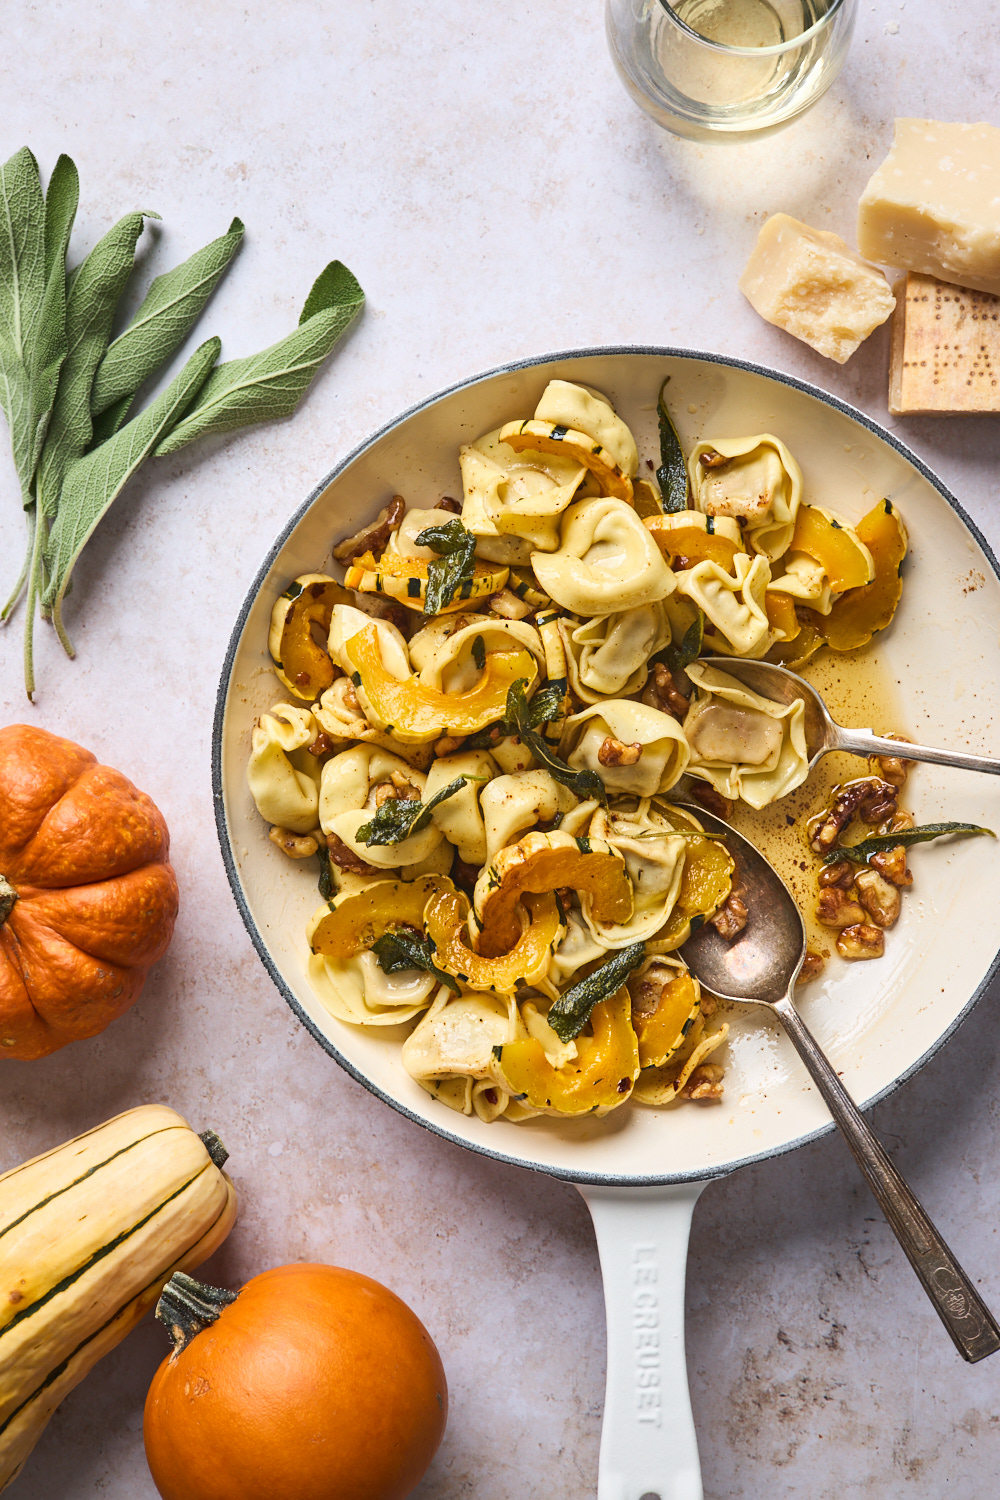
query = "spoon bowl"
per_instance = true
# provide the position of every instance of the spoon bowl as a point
(759, 967)
(823, 733)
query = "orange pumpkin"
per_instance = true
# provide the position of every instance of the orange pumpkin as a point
(312, 1383)
(87, 898)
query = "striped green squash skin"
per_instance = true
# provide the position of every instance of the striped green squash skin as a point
(89, 1235)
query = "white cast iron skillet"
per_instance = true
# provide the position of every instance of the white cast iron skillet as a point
(640, 1170)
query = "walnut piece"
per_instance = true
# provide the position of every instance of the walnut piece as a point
(705, 1082)
(891, 865)
(840, 874)
(891, 768)
(861, 941)
(508, 606)
(711, 800)
(662, 693)
(449, 744)
(321, 745)
(710, 459)
(295, 845)
(372, 538)
(449, 503)
(869, 798)
(614, 753)
(880, 899)
(812, 965)
(344, 857)
(731, 918)
(836, 909)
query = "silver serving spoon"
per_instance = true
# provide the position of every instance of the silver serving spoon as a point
(760, 967)
(823, 733)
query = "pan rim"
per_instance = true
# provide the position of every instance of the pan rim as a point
(565, 1174)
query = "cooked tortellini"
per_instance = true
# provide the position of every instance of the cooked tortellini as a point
(356, 990)
(654, 855)
(588, 411)
(446, 659)
(754, 479)
(736, 622)
(747, 746)
(595, 739)
(606, 561)
(512, 804)
(803, 578)
(516, 494)
(347, 622)
(460, 817)
(453, 1043)
(283, 777)
(607, 657)
(353, 787)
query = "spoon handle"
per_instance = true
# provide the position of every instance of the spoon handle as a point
(863, 742)
(974, 1330)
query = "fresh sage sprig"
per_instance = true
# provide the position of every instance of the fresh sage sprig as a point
(571, 1012)
(67, 389)
(882, 843)
(398, 819)
(523, 718)
(678, 656)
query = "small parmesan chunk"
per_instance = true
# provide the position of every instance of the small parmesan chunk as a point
(934, 204)
(813, 285)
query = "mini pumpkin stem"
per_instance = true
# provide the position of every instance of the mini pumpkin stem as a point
(186, 1307)
(214, 1147)
(8, 896)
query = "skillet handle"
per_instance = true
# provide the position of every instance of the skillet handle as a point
(649, 1450)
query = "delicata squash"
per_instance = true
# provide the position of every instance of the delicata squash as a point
(547, 862)
(528, 960)
(405, 579)
(856, 616)
(553, 437)
(599, 1077)
(353, 921)
(414, 712)
(89, 1235)
(300, 664)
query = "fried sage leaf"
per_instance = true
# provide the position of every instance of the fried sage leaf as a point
(678, 657)
(521, 720)
(453, 566)
(398, 819)
(404, 949)
(881, 843)
(571, 1012)
(672, 474)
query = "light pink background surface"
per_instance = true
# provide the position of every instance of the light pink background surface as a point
(482, 172)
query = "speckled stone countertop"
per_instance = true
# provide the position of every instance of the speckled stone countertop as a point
(486, 177)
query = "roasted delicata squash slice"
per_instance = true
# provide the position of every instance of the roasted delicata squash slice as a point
(304, 667)
(662, 1085)
(548, 862)
(845, 559)
(600, 1077)
(527, 962)
(354, 920)
(416, 713)
(856, 616)
(666, 1003)
(405, 579)
(781, 617)
(692, 537)
(553, 437)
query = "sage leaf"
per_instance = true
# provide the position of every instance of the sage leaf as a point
(398, 819)
(109, 422)
(881, 843)
(168, 312)
(518, 721)
(678, 657)
(90, 309)
(571, 1012)
(454, 565)
(672, 474)
(405, 949)
(23, 287)
(269, 385)
(94, 481)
